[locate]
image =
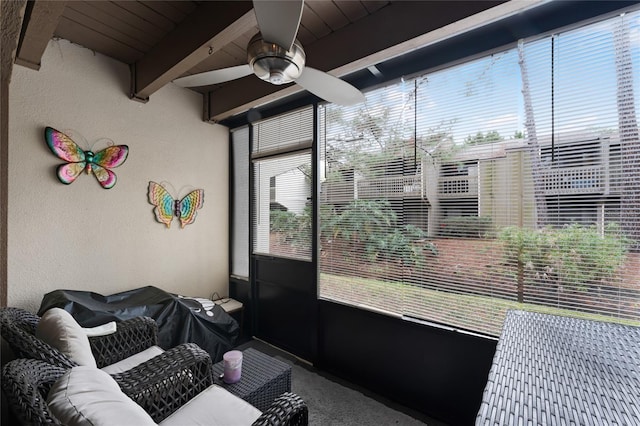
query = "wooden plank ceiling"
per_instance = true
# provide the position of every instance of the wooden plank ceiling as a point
(163, 40)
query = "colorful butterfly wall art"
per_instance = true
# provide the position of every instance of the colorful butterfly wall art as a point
(78, 160)
(166, 207)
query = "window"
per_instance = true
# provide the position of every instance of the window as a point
(240, 203)
(283, 185)
(511, 181)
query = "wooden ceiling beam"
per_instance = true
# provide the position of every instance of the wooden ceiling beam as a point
(11, 18)
(391, 31)
(40, 22)
(206, 30)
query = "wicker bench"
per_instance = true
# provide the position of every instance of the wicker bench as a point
(264, 378)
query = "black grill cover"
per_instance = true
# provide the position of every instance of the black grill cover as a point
(180, 319)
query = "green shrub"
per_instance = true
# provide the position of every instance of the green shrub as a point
(294, 229)
(575, 256)
(467, 227)
(370, 228)
(282, 221)
(583, 256)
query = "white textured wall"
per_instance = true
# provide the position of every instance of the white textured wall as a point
(84, 237)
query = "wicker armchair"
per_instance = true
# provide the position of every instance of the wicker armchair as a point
(159, 388)
(18, 328)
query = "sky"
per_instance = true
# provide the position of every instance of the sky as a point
(486, 94)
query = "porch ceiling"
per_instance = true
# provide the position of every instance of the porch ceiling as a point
(164, 40)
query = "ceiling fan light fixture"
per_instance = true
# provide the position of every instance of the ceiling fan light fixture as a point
(273, 63)
(277, 77)
(278, 23)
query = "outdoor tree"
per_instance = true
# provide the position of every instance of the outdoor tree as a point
(481, 138)
(532, 140)
(372, 144)
(629, 135)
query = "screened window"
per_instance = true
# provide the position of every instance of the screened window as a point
(508, 182)
(282, 176)
(240, 206)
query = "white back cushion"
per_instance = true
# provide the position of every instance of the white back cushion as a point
(88, 396)
(59, 329)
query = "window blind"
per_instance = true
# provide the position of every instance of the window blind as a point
(284, 133)
(240, 204)
(511, 181)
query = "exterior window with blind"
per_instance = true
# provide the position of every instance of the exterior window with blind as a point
(283, 185)
(511, 181)
(240, 207)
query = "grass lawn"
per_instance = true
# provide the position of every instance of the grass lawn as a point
(475, 313)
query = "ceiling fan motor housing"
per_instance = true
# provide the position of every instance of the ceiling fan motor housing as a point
(273, 63)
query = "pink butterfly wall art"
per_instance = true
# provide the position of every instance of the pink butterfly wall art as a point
(78, 160)
(166, 207)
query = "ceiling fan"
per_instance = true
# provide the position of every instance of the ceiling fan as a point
(275, 55)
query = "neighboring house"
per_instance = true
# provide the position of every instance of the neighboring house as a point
(289, 190)
(580, 180)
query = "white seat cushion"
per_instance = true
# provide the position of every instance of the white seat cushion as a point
(133, 360)
(59, 329)
(88, 396)
(214, 406)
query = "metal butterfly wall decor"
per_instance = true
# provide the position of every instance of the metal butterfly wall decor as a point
(78, 160)
(166, 207)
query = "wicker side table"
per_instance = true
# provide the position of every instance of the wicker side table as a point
(553, 370)
(264, 378)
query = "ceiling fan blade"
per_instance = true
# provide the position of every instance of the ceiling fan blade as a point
(278, 20)
(214, 77)
(329, 88)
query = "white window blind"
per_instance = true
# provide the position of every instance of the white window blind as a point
(240, 207)
(511, 181)
(284, 133)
